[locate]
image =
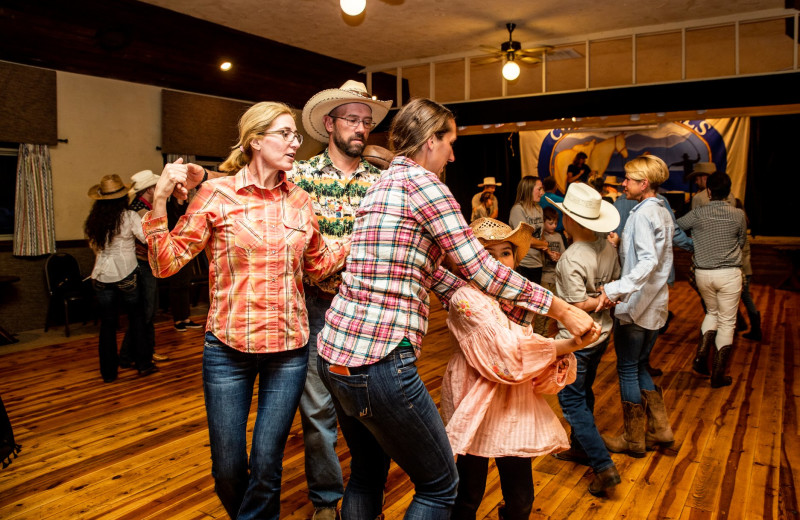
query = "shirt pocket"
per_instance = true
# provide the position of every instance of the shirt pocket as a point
(296, 228)
(248, 235)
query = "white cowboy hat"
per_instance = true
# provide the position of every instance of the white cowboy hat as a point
(322, 103)
(585, 205)
(142, 180)
(489, 181)
(490, 231)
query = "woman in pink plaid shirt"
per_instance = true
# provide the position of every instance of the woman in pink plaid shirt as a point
(406, 225)
(260, 234)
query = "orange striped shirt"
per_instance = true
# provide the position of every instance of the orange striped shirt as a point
(259, 242)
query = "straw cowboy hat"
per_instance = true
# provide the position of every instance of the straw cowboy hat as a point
(110, 187)
(142, 180)
(322, 103)
(491, 231)
(612, 180)
(489, 181)
(702, 168)
(378, 156)
(586, 207)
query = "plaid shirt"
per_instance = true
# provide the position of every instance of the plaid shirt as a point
(258, 242)
(334, 198)
(404, 227)
(719, 232)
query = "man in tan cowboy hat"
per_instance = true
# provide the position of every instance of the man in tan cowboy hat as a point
(700, 175)
(337, 180)
(488, 185)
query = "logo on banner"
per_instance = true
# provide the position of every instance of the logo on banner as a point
(680, 144)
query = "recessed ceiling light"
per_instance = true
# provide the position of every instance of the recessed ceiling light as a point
(226, 66)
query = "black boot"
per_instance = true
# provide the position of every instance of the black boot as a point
(721, 358)
(755, 327)
(741, 323)
(700, 363)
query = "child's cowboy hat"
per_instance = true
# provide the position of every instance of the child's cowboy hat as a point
(586, 207)
(110, 187)
(490, 231)
(322, 103)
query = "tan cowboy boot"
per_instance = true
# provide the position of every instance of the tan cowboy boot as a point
(631, 442)
(659, 432)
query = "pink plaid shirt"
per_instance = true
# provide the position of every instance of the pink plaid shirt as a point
(406, 224)
(259, 242)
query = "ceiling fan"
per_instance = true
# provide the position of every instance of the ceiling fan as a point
(513, 51)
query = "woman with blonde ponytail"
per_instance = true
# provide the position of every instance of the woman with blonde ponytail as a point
(260, 234)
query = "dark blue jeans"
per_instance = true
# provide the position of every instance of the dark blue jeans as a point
(148, 294)
(126, 293)
(386, 413)
(250, 491)
(577, 404)
(318, 416)
(516, 482)
(633, 345)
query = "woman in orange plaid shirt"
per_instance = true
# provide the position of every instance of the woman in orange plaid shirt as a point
(260, 234)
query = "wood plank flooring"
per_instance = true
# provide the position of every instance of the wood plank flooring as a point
(138, 448)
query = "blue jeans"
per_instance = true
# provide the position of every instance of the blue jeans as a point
(386, 412)
(577, 404)
(148, 294)
(228, 380)
(318, 416)
(126, 292)
(633, 344)
(516, 482)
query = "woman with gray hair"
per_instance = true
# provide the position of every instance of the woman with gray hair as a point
(641, 296)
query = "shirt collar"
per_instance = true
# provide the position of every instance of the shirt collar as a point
(325, 161)
(245, 179)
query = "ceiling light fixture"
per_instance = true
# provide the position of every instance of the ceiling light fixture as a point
(511, 70)
(353, 7)
(226, 66)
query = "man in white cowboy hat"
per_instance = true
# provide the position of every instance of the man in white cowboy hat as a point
(337, 179)
(700, 175)
(488, 185)
(586, 265)
(140, 197)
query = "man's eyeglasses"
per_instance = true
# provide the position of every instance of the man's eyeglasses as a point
(287, 135)
(353, 122)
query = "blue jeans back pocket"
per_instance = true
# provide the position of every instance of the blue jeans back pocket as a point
(353, 394)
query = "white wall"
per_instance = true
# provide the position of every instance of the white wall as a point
(112, 127)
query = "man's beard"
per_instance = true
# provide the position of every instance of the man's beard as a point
(349, 149)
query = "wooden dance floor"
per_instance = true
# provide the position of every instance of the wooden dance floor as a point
(138, 448)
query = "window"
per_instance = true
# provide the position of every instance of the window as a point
(8, 188)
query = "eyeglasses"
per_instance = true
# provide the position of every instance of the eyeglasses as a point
(287, 135)
(353, 122)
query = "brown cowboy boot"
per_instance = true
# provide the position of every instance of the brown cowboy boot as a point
(604, 480)
(721, 358)
(659, 432)
(631, 441)
(700, 363)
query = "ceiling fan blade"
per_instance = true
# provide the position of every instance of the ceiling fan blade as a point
(537, 50)
(529, 59)
(487, 48)
(484, 61)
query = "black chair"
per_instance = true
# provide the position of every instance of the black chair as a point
(65, 287)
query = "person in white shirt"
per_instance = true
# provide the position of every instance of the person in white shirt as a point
(112, 230)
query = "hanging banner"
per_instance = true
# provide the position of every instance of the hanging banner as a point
(680, 144)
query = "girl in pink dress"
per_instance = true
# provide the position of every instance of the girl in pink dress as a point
(492, 392)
